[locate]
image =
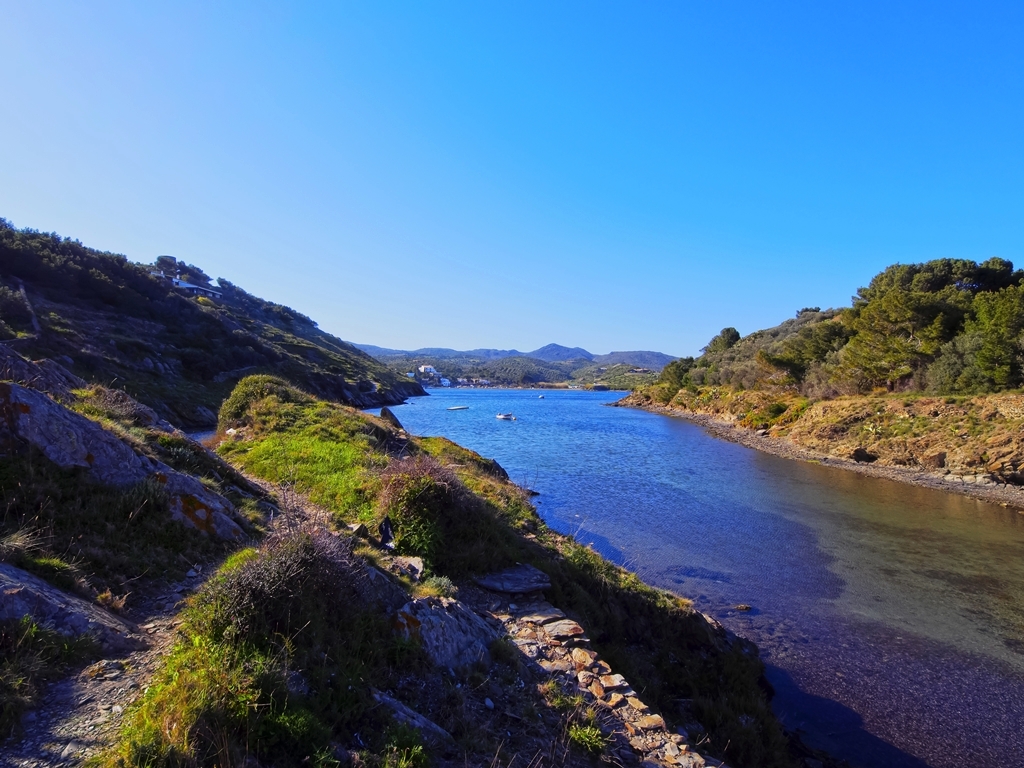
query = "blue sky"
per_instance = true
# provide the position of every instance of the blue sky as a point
(609, 175)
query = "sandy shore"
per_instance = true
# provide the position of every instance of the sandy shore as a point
(1005, 495)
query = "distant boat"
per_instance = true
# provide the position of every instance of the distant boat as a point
(540, 397)
(505, 417)
(459, 408)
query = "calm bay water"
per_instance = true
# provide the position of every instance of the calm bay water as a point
(891, 618)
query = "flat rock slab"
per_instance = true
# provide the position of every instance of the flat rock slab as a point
(520, 579)
(651, 723)
(563, 629)
(613, 682)
(557, 666)
(543, 616)
(583, 658)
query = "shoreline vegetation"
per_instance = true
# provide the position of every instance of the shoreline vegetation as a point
(919, 380)
(236, 655)
(972, 481)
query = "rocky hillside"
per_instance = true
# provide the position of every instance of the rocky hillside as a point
(112, 322)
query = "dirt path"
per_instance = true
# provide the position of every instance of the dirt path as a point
(80, 714)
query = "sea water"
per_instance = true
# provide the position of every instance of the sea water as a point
(890, 617)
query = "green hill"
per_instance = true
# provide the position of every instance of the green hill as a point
(948, 326)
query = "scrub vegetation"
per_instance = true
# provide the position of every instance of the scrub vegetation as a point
(949, 326)
(923, 371)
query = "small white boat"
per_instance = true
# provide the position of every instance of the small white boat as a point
(459, 408)
(540, 397)
(505, 417)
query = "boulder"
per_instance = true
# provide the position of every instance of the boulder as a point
(194, 505)
(408, 566)
(23, 594)
(936, 460)
(863, 456)
(452, 635)
(520, 579)
(67, 438)
(388, 416)
(70, 441)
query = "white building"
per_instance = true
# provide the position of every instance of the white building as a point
(428, 369)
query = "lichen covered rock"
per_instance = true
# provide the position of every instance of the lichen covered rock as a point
(69, 440)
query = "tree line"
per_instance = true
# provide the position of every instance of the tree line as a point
(947, 326)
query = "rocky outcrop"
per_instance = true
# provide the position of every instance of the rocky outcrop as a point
(42, 375)
(452, 635)
(555, 647)
(388, 416)
(69, 440)
(22, 594)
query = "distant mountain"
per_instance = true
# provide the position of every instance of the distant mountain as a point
(552, 353)
(436, 353)
(653, 360)
(556, 353)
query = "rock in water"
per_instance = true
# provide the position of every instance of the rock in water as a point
(862, 455)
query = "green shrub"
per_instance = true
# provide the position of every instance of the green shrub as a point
(251, 389)
(587, 737)
(273, 661)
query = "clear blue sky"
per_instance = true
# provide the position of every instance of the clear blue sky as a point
(609, 175)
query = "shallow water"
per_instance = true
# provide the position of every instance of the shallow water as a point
(891, 617)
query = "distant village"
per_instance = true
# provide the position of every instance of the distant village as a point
(431, 377)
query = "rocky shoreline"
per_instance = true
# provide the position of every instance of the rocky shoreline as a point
(965, 485)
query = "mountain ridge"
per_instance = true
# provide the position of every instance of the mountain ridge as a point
(550, 353)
